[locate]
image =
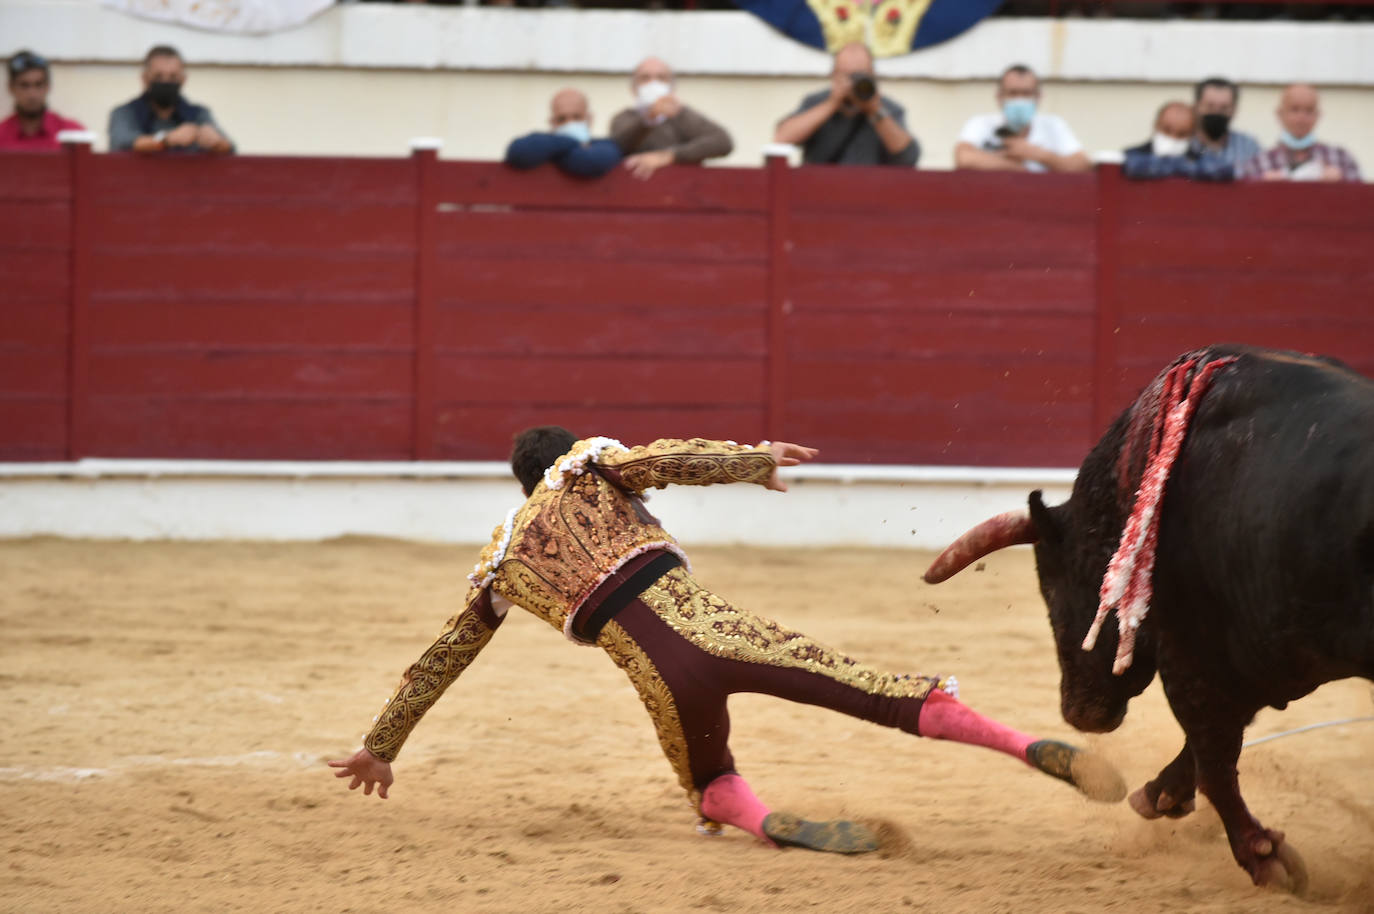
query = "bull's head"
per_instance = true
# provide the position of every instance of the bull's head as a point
(1071, 555)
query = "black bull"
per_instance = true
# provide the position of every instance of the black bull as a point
(1263, 585)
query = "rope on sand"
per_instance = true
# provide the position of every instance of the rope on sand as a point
(1329, 723)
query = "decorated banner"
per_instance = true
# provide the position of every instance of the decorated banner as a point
(888, 27)
(255, 16)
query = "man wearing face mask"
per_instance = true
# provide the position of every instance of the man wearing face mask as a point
(161, 119)
(1019, 137)
(1298, 156)
(33, 125)
(1215, 100)
(1169, 153)
(568, 144)
(850, 123)
(660, 130)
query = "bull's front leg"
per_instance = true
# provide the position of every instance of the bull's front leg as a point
(1173, 790)
(1261, 852)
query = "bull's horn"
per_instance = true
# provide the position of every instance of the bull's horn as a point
(1009, 529)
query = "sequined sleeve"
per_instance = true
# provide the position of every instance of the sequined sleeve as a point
(463, 638)
(693, 462)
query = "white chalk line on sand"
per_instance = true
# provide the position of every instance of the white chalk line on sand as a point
(1328, 723)
(67, 774)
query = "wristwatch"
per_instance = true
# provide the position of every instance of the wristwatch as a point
(161, 137)
(877, 117)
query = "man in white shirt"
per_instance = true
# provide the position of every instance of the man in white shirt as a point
(1018, 137)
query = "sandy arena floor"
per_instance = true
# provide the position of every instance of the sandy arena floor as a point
(172, 705)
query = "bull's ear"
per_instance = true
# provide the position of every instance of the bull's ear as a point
(1047, 526)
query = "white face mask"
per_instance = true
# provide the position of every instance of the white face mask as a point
(652, 91)
(578, 130)
(1162, 145)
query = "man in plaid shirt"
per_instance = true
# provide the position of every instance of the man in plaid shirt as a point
(1298, 156)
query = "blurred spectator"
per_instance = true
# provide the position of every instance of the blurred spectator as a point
(1298, 156)
(161, 118)
(1215, 100)
(850, 123)
(32, 126)
(1169, 153)
(660, 130)
(569, 143)
(1019, 137)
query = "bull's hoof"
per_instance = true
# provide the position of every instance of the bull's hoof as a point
(1282, 868)
(839, 836)
(1094, 776)
(1151, 803)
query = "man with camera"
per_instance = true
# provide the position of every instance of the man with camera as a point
(1019, 137)
(850, 123)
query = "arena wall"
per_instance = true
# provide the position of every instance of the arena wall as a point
(390, 309)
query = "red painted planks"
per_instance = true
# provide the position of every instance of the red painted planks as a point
(277, 428)
(481, 185)
(988, 337)
(1025, 288)
(603, 380)
(33, 427)
(638, 332)
(573, 284)
(27, 227)
(1182, 204)
(33, 370)
(592, 235)
(282, 226)
(259, 275)
(866, 193)
(222, 372)
(484, 432)
(228, 323)
(132, 180)
(35, 176)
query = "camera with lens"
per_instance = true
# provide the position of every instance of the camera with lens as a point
(862, 86)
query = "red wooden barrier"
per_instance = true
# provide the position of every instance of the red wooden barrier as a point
(396, 309)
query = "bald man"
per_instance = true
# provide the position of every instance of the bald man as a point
(659, 130)
(568, 142)
(1298, 156)
(850, 123)
(1170, 153)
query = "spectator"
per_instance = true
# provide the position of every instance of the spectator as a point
(1019, 138)
(32, 126)
(1215, 101)
(1298, 156)
(161, 118)
(660, 130)
(1169, 153)
(569, 143)
(850, 123)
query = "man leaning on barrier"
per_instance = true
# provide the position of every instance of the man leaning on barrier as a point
(161, 119)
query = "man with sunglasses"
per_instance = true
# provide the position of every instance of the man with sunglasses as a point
(33, 125)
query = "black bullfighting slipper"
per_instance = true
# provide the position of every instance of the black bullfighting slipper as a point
(1095, 777)
(839, 836)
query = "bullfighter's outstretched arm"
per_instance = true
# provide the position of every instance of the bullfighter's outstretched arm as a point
(695, 462)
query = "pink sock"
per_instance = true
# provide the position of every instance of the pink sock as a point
(728, 799)
(943, 717)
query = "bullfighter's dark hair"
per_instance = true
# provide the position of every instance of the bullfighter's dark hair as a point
(535, 451)
(1216, 82)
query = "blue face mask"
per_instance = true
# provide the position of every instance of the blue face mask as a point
(1018, 112)
(1293, 142)
(578, 130)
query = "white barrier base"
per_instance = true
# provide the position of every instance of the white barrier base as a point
(905, 507)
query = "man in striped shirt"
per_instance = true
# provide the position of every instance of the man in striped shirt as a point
(1298, 156)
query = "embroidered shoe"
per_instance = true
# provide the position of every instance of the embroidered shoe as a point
(838, 836)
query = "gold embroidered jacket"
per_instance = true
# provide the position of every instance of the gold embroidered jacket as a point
(583, 521)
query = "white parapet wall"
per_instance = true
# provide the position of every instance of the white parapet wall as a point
(898, 507)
